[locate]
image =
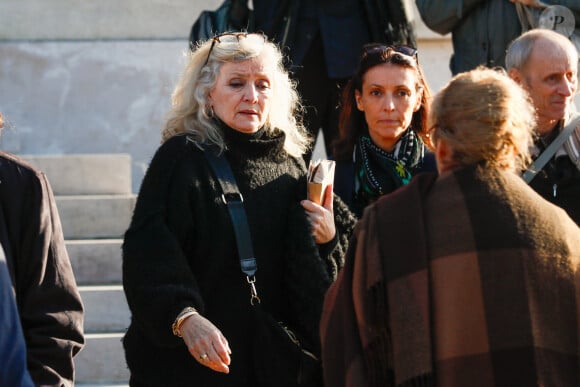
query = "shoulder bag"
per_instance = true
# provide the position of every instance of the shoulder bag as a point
(280, 356)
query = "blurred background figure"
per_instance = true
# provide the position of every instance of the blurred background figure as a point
(323, 41)
(562, 16)
(480, 30)
(383, 125)
(476, 282)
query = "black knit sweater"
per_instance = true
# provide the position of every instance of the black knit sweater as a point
(180, 251)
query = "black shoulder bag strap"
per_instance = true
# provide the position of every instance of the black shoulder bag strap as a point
(234, 201)
(550, 151)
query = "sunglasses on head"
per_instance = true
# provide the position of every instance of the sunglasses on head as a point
(384, 49)
(230, 35)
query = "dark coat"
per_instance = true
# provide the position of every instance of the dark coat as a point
(475, 284)
(559, 183)
(559, 180)
(13, 369)
(48, 300)
(481, 30)
(180, 251)
(344, 27)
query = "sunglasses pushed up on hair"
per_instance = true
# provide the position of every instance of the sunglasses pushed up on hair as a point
(237, 35)
(383, 49)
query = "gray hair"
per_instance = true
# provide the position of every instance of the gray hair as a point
(190, 113)
(520, 49)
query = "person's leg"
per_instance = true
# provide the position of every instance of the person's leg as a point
(320, 97)
(329, 123)
(313, 84)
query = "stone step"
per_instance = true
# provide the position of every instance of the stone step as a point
(96, 261)
(86, 174)
(95, 216)
(102, 360)
(106, 308)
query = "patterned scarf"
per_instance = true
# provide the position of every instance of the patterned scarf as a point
(379, 172)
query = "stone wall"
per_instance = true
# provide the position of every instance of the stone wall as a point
(98, 19)
(95, 76)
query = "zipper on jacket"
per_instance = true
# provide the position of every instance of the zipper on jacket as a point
(555, 189)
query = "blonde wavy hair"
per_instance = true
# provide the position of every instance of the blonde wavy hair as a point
(190, 113)
(485, 117)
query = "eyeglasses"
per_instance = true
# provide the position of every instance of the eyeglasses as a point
(229, 36)
(385, 50)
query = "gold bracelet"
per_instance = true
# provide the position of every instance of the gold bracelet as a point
(184, 314)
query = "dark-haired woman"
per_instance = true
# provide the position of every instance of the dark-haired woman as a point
(382, 126)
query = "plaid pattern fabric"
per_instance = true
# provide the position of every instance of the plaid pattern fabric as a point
(476, 284)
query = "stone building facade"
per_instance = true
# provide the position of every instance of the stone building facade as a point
(95, 76)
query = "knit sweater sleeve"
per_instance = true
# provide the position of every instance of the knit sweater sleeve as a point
(306, 279)
(333, 252)
(157, 279)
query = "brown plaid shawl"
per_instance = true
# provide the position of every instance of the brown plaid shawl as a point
(469, 280)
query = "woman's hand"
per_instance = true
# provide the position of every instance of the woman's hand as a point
(321, 217)
(206, 343)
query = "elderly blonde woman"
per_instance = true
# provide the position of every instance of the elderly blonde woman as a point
(477, 283)
(190, 303)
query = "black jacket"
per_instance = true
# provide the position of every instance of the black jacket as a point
(559, 180)
(344, 27)
(48, 300)
(180, 251)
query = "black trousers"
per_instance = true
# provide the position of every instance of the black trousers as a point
(320, 96)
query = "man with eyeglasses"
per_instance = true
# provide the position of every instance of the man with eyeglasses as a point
(545, 64)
